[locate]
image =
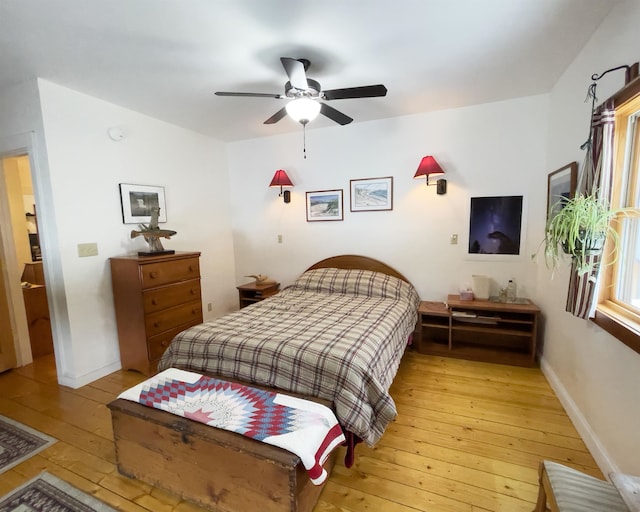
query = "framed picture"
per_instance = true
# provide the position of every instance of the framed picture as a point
(324, 205)
(137, 202)
(371, 194)
(495, 225)
(561, 183)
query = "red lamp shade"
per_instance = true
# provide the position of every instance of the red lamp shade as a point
(280, 179)
(428, 167)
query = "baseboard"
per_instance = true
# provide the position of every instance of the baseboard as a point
(597, 449)
(82, 380)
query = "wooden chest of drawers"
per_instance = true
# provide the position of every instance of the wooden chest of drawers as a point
(155, 298)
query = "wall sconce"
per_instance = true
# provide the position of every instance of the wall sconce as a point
(280, 179)
(429, 167)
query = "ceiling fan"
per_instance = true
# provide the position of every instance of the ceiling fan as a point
(305, 95)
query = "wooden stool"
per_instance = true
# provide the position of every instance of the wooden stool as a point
(567, 490)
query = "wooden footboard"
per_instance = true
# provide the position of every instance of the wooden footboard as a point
(213, 468)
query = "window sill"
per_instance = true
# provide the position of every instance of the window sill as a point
(623, 328)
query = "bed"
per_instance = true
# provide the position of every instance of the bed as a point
(338, 333)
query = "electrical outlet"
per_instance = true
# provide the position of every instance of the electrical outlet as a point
(454, 239)
(85, 250)
(279, 239)
(209, 306)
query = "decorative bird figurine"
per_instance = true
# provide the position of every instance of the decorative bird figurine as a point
(152, 233)
(260, 279)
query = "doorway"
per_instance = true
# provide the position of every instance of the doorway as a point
(28, 308)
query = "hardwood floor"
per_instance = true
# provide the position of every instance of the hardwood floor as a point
(468, 437)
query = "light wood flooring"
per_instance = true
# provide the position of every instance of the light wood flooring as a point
(468, 437)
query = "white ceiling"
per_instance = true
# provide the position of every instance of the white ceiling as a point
(166, 58)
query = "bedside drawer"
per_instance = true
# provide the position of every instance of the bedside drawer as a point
(158, 274)
(155, 323)
(172, 295)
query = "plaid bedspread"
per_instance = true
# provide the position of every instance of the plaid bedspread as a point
(334, 334)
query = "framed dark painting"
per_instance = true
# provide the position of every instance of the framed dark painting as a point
(495, 225)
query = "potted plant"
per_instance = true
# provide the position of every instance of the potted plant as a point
(579, 228)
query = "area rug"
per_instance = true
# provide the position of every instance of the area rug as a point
(47, 493)
(19, 442)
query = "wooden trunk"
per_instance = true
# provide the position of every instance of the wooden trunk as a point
(213, 468)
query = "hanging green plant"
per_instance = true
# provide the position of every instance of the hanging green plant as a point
(580, 229)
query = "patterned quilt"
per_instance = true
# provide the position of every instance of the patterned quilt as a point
(308, 429)
(333, 334)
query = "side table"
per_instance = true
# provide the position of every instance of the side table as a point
(433, 325)
(252, 292)
(480, 330)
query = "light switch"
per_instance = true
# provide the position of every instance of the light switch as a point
(90, 249)
(454, 239)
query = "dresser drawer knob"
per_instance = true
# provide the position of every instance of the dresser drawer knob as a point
(156, 324)
(154, 302)
(153, 275)
(190, 268)
(163, 344)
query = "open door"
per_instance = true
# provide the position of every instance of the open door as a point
(14, 332)
(7, 348)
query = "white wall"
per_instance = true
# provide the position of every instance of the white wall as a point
(597, 376)
(486, 150)
(85, 168)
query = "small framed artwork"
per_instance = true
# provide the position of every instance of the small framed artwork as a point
(561, 184)
(138, 201)
(324, 205)
(371, 194)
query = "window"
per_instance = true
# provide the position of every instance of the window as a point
(619, 300)
(627, 281)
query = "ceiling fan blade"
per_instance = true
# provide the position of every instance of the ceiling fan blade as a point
(366, 91)
(334, 115)
(250, 94)
(276, 117)
(295, 72)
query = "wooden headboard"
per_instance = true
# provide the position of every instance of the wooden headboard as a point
(351, 261)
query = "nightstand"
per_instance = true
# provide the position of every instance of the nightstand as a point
(433, 325)
(479, 330)
(253, 292)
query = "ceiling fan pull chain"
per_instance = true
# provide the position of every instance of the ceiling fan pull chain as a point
(304, 140)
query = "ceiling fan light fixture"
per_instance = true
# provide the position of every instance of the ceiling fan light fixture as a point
(303, 110)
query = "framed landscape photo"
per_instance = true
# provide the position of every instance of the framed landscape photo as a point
(371, 194)
(137, 202)
(561, 183)
(324, 205)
